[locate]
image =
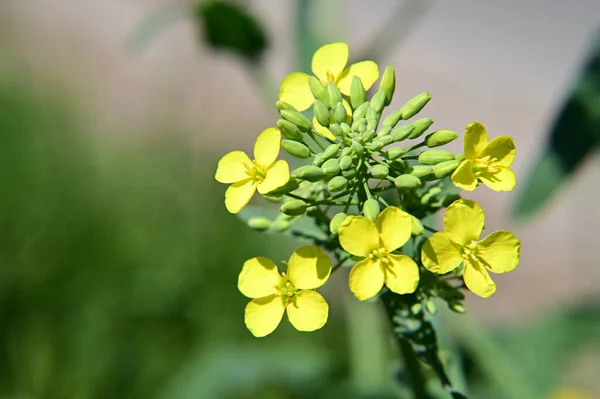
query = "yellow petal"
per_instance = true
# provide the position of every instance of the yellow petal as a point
(463, 221)
(500, 251)
(309, 268)
(259, 278)
(295, 91)
(502, 180)
(308, 311)
(476, 138)
(502, 148)
(463, 177)
(266, 148)
(394, 226)
(401, 274)
(366, 279)
(358, 235)
(263, 315)
(239, 194)
(232, 167)
(348, 108)
(478, 280)
(367, 71)
(440, 255)
(329, 61)
(278, 174)
(322, 130)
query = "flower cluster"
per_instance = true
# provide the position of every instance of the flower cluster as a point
(367, 184)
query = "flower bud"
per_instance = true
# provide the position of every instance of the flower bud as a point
(345, 128)
(357, 148)
(345, 162)
(289, 130)
(387, 84)
(416, 308)
(380, 171)
(420, 127)
(317, 89)
(334, 225)
(340, 113)
(361, 111)
(431, 307)
(369, 135)
(456, 306)
(371, 209)
(347, 151)
(294, 208)
(357, 92)
(333, 94)
(259, 223)
(397, 164)
(372, 125)
(433, 157)
(444, 169)
(407, 181)
(309, 172)
(290, 186)
(419, 171)
(349, 174)
(297, 119)
(295, 149)
(319, 159)
(380, 142)
(372, 115)
(401, 133)
(331, 167)
(415, 105)
(337, 183)
(392, 119)
(384, 131)
(281, 225)
(395, 153)
(283, 106)
(330, 151)
(336, 130)
(321, 113)
(440, 138)
(378, 101)
(416, 226)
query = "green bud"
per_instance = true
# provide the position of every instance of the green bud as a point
(380, 142)
(388, 84)
(334, 225)
(444, 169)
(331, 167)
(297, 119)
(338, 183)
(330, 151)
(401, 133)
(362, 127)
(372, 115)
(397, 164)
(336, 130)
(378, 101)
(349, 174)
(309, 172)
(393, 118)
(289, 130)
(345, 162)
(357, 92)
(419, 171)
(319, 159)
(358, 122)
(380, 171)
(372, 125)
(407, 181)
(283, 106)
(433, 157)
(416, 226)
(395, 152)
(321, 113)
(371, 209)
(259, 223)
(346, 151)
(415, 105)
(430, 194)
(293, 208)
(416, 308)
(369, 135)
(357, 148)
(345, 128)
(281, 225)
(274, 199)
(295, 149)
(384, 131)
(361, 111)
(431, 307)
(317, 89)
(420, 127)
(457, 307)
(340, 113)
(440, 138)
(290, 186)
(333, 94)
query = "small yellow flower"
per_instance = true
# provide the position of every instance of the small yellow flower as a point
(485, 161)
(329, 65)
(375, 241)
(265, 173)
(445, 251)
(294, 291)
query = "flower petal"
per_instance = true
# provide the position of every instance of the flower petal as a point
(478, 280)
(308, 311)
(309, 268)
(476, 138)
(463, 177)
(277, 175)
(394, 226)
(367, 71)
(366, 279)
(502, 180)
(322, 130)
(502, 148)
(232, 167)
(401, 274)
(440, 255)
(259, 278)
(239, 194)
(295, 91)
(263, 315)
(266, 148)
(329, 61)
(463, 221)
(500, 251)
(358, 235)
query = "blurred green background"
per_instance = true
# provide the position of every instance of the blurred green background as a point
(119, 262)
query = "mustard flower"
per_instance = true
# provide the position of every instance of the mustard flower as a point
(329, 65)
(459, 243)
(375, 241)
(485, 161)
(264, 174)
(273, 293)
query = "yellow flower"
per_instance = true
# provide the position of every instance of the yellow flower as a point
(272, 293)
(264, 173)
(463, 223)
(375, 241)
(485, 161)
(329, 65)
(570, 393)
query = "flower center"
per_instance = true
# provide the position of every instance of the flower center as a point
(471, 252)
(330, 76)
(255, 171)
(380, 254)
(485, 164)
(286, 290)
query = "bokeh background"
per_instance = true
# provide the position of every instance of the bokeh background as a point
(118, 260)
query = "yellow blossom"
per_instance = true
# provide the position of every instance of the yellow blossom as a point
(485, 161)
(264, 174)
(375, 241)
(459, 243)
(329, 65)
(273, 293)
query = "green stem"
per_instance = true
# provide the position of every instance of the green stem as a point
(317, 142)
(414, 147)
(380, 199)
(431, 229)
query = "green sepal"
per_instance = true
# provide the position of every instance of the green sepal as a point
(337, 183)
(371, 209)
(403, 132)
(439, 138)
(415, 105)
(372, 115)
(361, 111)
(384, 131)
(419, 171)
(416, 226)
(345, 162)
(380, 171)
(387, 84)
(290, 186)
(357, 93)
(283, 106)
(331, 151)
(293, 208)
(335, 222)
(321, 113)
(393, 118)
(331, 167)
(317, 89)
(378, 101)
(340, 114)
(433, 157)
(357, 148)
(395, 153)
(333, 94)
(297, 119)
(420, 127)
(295, 149)
(444, 169)
(380, 142)
(310, 173)
(289, 130)
(407, 181)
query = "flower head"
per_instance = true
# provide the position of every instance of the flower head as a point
(485, 161)
(273, 293)
(375, 241)
(329, 65)
(459, 243)
(264, 174)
